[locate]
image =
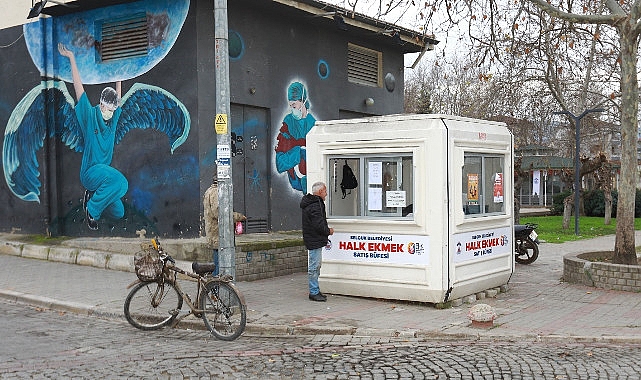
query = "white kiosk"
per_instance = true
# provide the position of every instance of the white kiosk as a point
(431, 218)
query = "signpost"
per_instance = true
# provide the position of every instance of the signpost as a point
(223, 149)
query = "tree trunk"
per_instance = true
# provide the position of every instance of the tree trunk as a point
(624, 246)
(607, 195)
(568, 202)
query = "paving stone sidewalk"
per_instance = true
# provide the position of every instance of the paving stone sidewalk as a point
(538, 306)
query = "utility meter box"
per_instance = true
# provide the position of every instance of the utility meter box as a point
(429, 216)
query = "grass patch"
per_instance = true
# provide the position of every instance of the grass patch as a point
(39, 239)
(551, 228)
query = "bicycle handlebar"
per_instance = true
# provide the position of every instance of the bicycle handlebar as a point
(163, 256)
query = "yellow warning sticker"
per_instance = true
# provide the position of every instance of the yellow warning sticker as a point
(221, 123)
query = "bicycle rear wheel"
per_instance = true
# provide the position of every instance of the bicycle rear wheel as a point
(151, 305)
(224, 312)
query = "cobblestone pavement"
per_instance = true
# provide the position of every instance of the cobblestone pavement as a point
(55, 345)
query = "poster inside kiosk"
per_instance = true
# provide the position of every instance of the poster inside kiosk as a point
(379, 248)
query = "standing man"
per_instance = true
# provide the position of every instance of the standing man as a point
(210, 205)
(315, 233)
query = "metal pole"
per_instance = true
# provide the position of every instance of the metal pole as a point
(577, 169)
(545, 188)
(227, 251)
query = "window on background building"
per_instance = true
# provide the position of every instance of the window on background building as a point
(383, 186)
(483, 184)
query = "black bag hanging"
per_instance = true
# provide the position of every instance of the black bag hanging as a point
(349, 180)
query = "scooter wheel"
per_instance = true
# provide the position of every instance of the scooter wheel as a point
(527, 251)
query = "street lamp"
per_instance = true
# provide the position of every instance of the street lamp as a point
(577, 175)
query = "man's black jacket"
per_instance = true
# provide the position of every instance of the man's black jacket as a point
(315, 228)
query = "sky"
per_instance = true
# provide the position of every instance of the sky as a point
(407, 19)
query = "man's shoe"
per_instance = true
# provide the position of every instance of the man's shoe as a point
(317, 298)
(91, 222)
(322, 295)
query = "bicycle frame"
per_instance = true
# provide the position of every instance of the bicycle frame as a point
(169, 274)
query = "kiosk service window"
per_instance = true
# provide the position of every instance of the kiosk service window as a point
(483, 184)
(384, 186)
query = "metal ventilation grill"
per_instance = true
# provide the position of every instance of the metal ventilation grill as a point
(124, 38)
(256, 225)
(364, 66)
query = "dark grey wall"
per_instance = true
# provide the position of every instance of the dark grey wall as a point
(281, 45)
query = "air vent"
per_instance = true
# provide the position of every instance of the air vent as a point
(364, 66)
(124, 38)
(256, 225)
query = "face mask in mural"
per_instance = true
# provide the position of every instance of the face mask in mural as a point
(106, 114)
(291, 155)
(297, 113)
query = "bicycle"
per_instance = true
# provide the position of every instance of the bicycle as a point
(156, 298)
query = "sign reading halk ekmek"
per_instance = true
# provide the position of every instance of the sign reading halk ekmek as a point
(479, 244)
(378, 248)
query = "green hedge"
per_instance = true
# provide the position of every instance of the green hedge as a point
(593, 203)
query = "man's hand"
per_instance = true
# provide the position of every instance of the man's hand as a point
(64, 51)
(75, 74)
(331, 231)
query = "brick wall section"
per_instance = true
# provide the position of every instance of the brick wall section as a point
(258, 264)
(601, 275)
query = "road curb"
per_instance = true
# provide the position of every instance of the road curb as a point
(258, 329)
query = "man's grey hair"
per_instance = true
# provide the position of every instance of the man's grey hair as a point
(317, 186)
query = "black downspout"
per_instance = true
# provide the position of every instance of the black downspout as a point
(447, 178)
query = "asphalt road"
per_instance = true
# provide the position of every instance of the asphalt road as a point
(46, 344)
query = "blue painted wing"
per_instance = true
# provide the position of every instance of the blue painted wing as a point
(145, 106)
(45, 111)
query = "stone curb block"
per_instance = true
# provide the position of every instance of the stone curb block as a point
(377, 332)
(35, 252)
(123, 263)
(263, 329)
(63, 255)
(92, 258)
(322, 330)
(11, 248)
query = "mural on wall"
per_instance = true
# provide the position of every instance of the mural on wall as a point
(49, 110)
(291, 139)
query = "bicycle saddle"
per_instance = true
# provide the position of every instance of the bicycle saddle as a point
(202, 268)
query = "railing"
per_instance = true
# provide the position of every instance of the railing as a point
(535, 200)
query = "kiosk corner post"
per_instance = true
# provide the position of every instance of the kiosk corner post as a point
(223, 148)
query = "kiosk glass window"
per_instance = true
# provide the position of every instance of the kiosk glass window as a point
(385, 186)
(483, 187)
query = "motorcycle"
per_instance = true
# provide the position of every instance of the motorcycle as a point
(526, 243)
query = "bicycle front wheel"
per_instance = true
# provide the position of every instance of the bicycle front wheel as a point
(224, 312)
(151, 305)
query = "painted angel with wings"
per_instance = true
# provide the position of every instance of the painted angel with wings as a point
(92, 130)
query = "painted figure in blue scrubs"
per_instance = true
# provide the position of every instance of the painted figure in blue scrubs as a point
(105, 186)
(290, 151)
